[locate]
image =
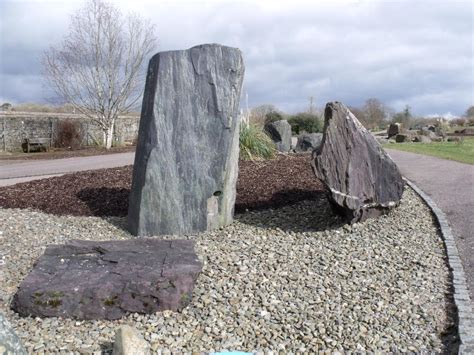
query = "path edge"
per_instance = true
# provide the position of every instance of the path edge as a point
(462, 300)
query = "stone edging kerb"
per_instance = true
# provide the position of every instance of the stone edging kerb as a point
(461, 294)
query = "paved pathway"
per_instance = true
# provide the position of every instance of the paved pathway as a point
(451, 186)
(20, 171)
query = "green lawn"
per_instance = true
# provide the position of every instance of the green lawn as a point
(459, 151)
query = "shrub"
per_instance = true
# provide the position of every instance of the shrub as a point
(255, 144)
(273, 116)
(458, 122)
(68, 135)
(442, 127)
(306, 122)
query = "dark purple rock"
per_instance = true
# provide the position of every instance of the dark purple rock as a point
(109, 279)
(361, 178)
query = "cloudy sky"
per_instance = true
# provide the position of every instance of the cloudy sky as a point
(418, 53)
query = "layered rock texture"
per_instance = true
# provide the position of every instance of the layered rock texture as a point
(361, 178)
(280, 133)
(185, 170)
(109, 279)
(308, 142)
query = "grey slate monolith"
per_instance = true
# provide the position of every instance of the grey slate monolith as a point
(362, 179)
(186, 163)
(280, 133)
(86, 279)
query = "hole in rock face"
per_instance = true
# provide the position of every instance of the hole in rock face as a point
(217, 193)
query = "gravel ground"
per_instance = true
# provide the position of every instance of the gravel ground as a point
(293, 279)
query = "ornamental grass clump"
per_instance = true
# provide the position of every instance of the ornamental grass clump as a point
(255, 144)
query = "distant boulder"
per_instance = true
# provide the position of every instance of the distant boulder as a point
(402, 138)
(425, 131)
(422, 139)
(406, 137)
(280, 133)
(6, 107)
(430, 127)
(393, 129)
(468, 131)
(308, 142)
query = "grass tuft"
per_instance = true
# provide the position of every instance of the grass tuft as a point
(255, 144)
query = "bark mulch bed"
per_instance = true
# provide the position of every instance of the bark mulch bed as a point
(261, 184)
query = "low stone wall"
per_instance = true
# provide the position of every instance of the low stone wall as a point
(16, 126)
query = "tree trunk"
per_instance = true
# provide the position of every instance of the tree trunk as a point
(108, 136)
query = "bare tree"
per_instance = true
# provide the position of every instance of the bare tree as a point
(258, 113)
(375, 113)
(99, 66)
(359, 113)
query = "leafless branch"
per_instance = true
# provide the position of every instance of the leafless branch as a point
(99, 66)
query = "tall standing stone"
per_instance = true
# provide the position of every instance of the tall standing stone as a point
(186, 164)
(361, 178)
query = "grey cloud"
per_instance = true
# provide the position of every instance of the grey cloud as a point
(404, 52)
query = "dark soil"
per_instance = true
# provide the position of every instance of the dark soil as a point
(261, 184)
(60, 153)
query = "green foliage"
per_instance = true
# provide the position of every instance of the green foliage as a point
(255, 144)
(273, 116)
(304, 121)
(469, 112)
